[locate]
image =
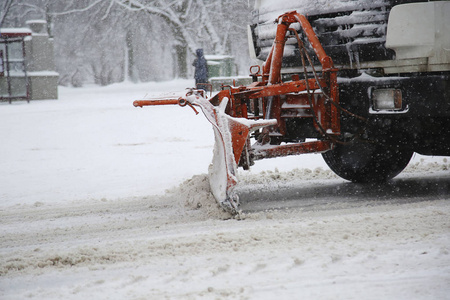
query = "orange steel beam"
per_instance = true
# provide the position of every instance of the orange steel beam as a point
(316, 45)
(266, 67)
(141, 103)
(293, 149)
(275, 57)
(280, 89)
(277, 52)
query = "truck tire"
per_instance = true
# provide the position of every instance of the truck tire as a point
(364, 162)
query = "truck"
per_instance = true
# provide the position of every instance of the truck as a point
(393, 58)
(364, 83)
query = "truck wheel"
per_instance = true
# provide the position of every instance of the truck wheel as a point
(365, 162)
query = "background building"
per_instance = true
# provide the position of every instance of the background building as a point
(27, 65)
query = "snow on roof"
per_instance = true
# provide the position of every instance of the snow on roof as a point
(36, 21)
(14, 32)
(217, 57)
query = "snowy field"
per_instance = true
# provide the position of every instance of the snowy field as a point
(102, 200)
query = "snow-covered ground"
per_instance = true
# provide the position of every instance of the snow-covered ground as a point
(101, 200)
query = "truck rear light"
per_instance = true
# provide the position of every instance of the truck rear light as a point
(387, 99)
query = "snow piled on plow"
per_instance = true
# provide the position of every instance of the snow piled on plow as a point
(195, 194)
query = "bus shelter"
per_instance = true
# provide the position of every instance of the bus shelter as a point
(14, 83)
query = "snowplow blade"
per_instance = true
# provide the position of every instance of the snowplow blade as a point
(231, 135)
(306, 106)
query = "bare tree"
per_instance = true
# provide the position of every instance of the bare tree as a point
(178, 15)
(193, 23)
(106, 41)
(4, 12)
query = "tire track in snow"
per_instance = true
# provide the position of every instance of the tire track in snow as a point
(133, 231)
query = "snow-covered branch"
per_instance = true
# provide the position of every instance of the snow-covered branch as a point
(5, 9)
(210, 28)
(67, 12)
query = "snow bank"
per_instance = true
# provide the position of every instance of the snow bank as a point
(288, 176)
(195, 194)
(423, 165)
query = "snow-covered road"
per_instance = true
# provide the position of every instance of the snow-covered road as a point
(100, 200)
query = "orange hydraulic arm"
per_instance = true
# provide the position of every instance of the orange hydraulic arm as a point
(315, 97)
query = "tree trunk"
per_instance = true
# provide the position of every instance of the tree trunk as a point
(131, 72)
(181, 61)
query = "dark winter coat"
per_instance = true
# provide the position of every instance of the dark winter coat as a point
(201, 68)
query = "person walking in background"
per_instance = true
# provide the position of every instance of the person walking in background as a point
(201, 69)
